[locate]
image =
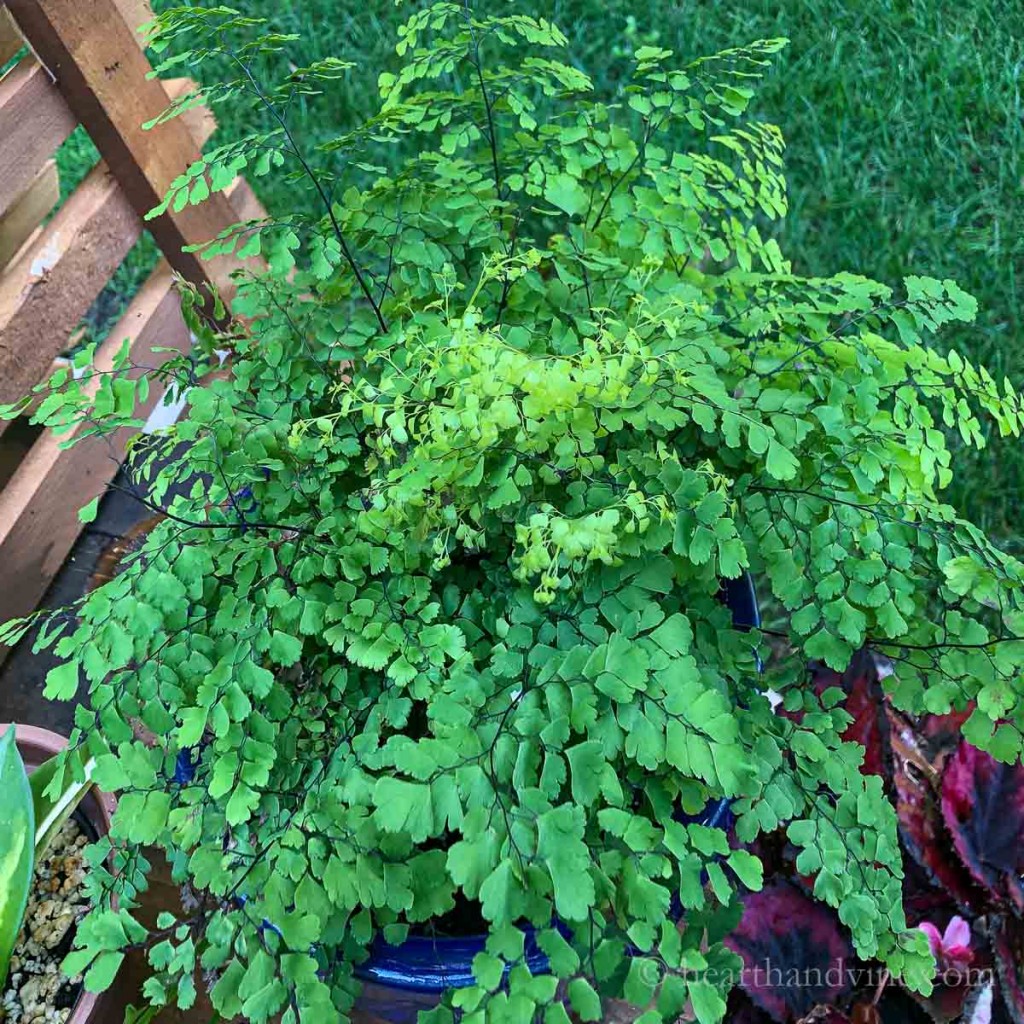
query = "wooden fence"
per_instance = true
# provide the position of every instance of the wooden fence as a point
(83, 65)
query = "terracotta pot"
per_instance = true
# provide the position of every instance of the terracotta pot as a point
(37, 745)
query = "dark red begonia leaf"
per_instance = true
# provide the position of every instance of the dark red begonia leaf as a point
(740, 1009)
(926, 839)
(923, 900)
(940, 735)
(794, 955)
(897, 1007)
(983, 809)
(865, 702)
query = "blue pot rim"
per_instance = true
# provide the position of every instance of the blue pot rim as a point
(436, 963)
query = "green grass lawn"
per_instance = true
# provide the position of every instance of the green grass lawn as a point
(905, 127)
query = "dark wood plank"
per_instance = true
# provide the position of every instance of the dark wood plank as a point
(136, 13)
(91, 49)
(34, 121)
(28, 211)
(39, 504)
(55, 279)
(10, 38)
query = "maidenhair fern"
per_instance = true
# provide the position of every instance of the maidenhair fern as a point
(433, 618)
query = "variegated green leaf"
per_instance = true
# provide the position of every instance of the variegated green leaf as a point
(58, 787)
(16, 849)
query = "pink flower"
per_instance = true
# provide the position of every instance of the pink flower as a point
(951, 949)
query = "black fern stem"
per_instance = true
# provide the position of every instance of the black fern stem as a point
(324, 198)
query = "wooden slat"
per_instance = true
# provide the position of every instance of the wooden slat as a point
(136, 13)
(91, 50)
(246, 207)
(39, 505)
(28, 211)
(44, 295)
(10, 38)
(34, 121)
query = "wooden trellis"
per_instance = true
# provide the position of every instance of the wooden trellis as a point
(83, 65)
